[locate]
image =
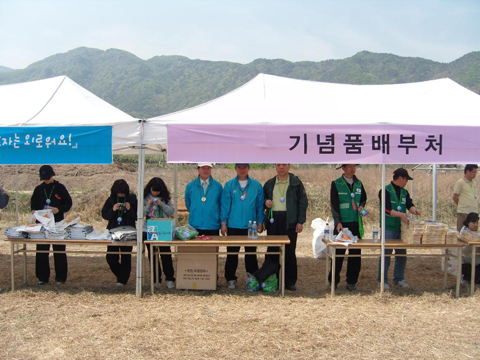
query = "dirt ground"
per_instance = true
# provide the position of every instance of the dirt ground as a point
(90, 318)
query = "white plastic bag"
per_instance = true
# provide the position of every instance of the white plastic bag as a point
(45, 217)
(452, 264)
(319, 247)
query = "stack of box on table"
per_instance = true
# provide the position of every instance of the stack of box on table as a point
(434, 233)
(428, 232)
(451, 237)
(413, 231)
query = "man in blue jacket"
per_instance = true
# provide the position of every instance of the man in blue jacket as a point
(242, 201)
(202, 199)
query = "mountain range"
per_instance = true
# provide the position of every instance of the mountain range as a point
(164, 84)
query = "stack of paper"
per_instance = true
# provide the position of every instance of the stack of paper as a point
(79, 232)
(52, 233)
(434, 233)
(413, 231)
(15, 232)
(35, 231)
(451, 236)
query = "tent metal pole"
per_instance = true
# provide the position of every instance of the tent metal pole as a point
(141, 174)
(175, 189)
(16, 195)
(382, 255)
(140, 272)
(434, 194)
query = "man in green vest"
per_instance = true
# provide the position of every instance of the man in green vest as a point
(347, 200)
(397, 201)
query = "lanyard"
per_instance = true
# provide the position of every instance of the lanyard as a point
(204, 192)
(282, 193)
(352, 195)
(474, 190)
(397, 202)
(48, 201)
(155, 213)
(120, 210)
(244, 190)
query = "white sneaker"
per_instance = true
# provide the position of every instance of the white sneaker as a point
(385, 286)
(119, 284)
(171, 284)
(231, 284)
(402, 284)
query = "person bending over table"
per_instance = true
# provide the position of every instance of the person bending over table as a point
(50, 194)
(470, 223)
(158, 204)
(120, 209)
(397, 201)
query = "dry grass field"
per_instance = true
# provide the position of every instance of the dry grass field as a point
(90, 318)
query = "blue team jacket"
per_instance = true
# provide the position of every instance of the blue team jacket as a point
(237, 213)
(205, 216)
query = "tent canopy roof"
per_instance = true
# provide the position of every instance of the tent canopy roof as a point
(59, 101)
(275, 119)
(278, 100)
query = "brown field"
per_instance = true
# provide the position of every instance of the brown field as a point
(90, 318)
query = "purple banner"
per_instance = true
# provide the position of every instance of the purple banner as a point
(309, 144)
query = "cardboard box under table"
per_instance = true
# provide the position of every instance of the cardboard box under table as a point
(197, 271)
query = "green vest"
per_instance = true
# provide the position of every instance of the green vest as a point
(347, 212)
(395, 223)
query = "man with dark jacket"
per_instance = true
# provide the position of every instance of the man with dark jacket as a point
(51, 194)
(286, 205)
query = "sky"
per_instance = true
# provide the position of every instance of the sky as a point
(239, 31)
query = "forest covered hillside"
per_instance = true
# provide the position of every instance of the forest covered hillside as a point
(164, 84)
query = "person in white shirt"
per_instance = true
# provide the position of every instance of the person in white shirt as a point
(465, 194)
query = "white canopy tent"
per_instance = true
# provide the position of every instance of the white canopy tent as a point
(255, 123)
(59, 101)
(268, 99)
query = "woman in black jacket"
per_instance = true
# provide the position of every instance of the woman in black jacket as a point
(120, 209)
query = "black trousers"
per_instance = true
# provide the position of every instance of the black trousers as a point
(42, 263)
(121, 262)
(279, 227)
(231, 264)
(354, 264)
(166, 261)
(467, 273)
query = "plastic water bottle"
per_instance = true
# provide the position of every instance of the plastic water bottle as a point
(250, 229)
(375, 233)
(326, 232)
(254, 230)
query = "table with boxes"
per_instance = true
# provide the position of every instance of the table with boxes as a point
(197, 259)
(416, 235)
